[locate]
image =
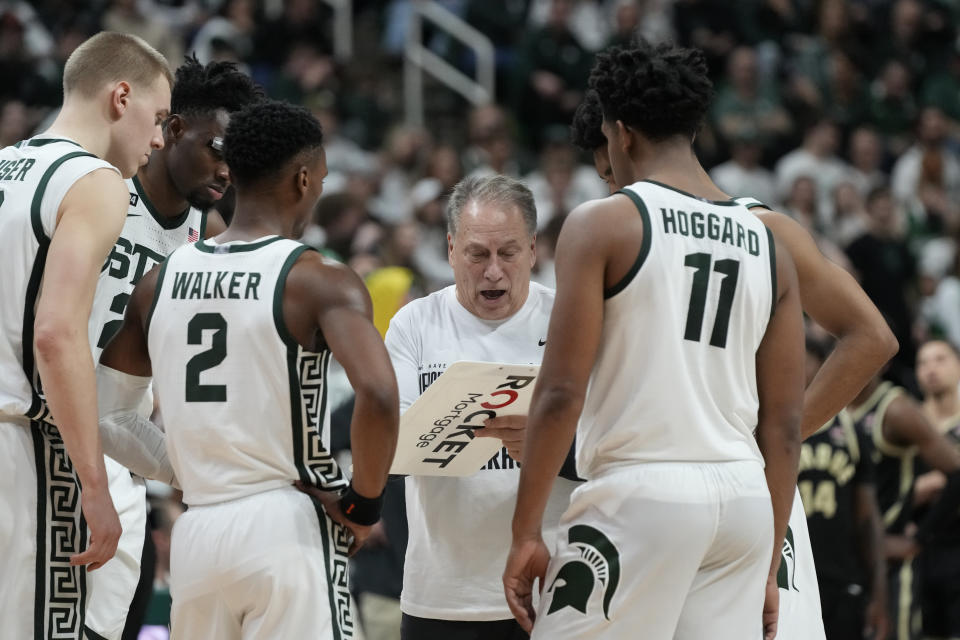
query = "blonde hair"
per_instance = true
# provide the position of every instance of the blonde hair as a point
(110, 57)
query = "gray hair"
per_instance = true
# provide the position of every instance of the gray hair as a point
(495, 189)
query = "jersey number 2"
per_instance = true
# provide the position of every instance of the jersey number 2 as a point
(698, 297)
(208, 359)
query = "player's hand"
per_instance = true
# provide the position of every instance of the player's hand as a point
(771, 608)
(900, 547)
(527, 561)
(510, 429)
(105, 529)
(877, 622)
(331, 504)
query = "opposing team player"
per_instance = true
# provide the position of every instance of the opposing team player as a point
(62, 204)
(864, 343)
(236, 333)
(675, 334)
(169, 199)
(901, 435)
(837, 483)
(938, 372)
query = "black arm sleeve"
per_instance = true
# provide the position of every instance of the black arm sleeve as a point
(569, 468)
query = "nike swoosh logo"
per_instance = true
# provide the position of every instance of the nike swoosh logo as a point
(541, 342)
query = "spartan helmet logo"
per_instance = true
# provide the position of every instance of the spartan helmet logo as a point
(599, 561)
(787, 573)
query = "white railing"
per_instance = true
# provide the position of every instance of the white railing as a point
(419, 59)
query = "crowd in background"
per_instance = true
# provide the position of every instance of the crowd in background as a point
(844, 114)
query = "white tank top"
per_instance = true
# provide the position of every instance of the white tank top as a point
(35, 175)
(675, 375)
(244, 406)
(147, 239)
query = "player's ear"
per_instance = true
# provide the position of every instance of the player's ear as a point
(626, 140)
(119, 99)
(302, 180)
(173, 128)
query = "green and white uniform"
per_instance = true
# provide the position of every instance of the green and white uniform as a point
(147, 239)
(41, 526)
(801, 616)
(671, 536)
(246, 415)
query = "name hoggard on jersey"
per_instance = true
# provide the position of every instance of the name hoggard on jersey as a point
(712, 226)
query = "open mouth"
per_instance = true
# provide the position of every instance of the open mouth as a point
(493, 294)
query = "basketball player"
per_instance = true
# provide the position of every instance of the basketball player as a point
(901, 435)
(938, 372)
(237, 333)
(169, 199)
(840, 499)
(460, 527)
(676, 333)
(62, 204)
(836, 302)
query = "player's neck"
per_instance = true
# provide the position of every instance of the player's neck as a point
(81, 122)
(257, 215)
(943, 405)
(674, 163)
(159, 188)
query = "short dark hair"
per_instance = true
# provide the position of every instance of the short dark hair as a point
(661, 91)
(202, 89)
(264, 136)
(585, 133)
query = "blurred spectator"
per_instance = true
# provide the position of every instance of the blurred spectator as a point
(745, 101)
(589, 21)
(402, 164)
(128, 17)
(19, 68)
(817, 159)
(430, 255)
(491, 145)
(709, 25)
(942, 88)
(300, 22)
(305, 71)
(742, 174)
(228, 32)
(903, 40)
(14, 123)
(560, 183)
(850, 220)
(801, 202)
(866, 159)
(893, 108)
(340, 216)
(926, 178)
(444, 165)
(940, 291)
(886, 268)
(551, 75)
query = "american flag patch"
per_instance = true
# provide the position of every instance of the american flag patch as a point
(192, 234)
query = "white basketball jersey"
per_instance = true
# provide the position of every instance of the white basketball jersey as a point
(147, 239)
(244, 406)
(675, 375)
(35, 175)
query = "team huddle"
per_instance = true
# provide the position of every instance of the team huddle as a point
(652, 491)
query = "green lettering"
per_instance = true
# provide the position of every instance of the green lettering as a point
(253, 281)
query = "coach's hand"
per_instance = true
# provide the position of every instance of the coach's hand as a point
(105, 529)
(527, 561)
(510, 429)
(771, 608)
(331, 504)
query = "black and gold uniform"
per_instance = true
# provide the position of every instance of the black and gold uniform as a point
(940, 565)
(895, 475)
(833, 463)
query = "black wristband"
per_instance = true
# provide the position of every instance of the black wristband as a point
(360, 510)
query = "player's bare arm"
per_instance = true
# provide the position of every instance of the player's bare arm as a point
(326, 303)
(780, 376)
(833, 299)
(906, 425)
(89, 221)
(870, 543)
(585, 266)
